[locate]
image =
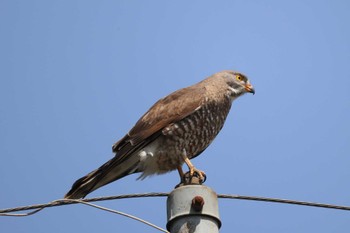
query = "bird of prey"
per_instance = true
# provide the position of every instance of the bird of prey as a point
(174, 130)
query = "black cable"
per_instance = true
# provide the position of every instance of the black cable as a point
(284, 201)
(94, 199)
(160, 194)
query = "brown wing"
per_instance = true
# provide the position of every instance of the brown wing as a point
(170, 109)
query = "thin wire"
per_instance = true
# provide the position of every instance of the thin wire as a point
(72, 201)
(60, 202)
(284, 201)
(160, 194)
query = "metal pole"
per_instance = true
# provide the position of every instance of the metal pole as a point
(193, 209)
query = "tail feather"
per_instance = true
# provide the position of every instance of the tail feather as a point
(113, 170)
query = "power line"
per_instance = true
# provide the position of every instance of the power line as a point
(77, 201)
(284, 201)
(36, 208)
(61, 202)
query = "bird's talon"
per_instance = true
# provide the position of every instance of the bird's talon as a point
(194, 176)
(200, 175)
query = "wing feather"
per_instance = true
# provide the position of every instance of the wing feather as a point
(165, 111)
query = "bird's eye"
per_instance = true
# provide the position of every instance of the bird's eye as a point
(239, 78)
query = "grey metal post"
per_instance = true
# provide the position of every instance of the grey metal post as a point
(193, 209)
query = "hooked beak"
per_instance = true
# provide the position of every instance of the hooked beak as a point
(249, 88)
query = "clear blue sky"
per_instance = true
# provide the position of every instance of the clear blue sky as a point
(76, 75)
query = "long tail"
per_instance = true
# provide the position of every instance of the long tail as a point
(113, 170)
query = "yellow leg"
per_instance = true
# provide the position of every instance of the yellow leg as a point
(181, 172)
(193, 170)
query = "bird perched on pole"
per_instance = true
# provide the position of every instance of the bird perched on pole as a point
(174, 130)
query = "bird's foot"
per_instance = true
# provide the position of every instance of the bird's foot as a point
(194, 172)
(194, 176)
(197, 177)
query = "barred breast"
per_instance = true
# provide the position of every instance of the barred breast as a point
(191, 135)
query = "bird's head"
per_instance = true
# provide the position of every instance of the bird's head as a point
(238, 84)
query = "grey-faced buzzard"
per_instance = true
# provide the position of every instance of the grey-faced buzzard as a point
(174, 130)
